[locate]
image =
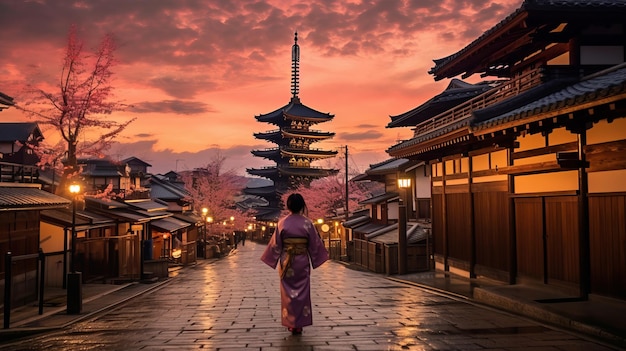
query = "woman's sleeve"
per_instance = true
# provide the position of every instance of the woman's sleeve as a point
(317, 251)
(273, 250)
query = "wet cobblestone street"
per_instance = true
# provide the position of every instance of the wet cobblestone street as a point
(233, 304)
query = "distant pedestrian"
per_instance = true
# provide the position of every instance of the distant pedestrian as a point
(243, 239)
(297, 246)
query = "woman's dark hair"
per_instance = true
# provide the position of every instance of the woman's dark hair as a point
(295, 203)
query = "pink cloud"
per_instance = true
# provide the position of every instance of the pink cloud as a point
(222, 63)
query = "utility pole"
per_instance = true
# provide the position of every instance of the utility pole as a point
(346, 213)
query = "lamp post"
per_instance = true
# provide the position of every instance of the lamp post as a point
(204, 213)
(210, 221)
(74, 279)
(403, 184)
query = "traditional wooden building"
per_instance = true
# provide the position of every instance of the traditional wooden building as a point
(97, 254)
(375, 234)
(527, 177)
(294, 154)
(18, 161)
(20, 210)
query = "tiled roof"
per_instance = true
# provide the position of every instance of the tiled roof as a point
(189, 217)
(456, 93)
(10, 132)
(169, 224)
(293, 109)
(5, 101)
(520, 100)
(556, 8)
(164, 189)
(29, 198)
(415, 233)
(602, 85)
(356, 221)
(147, 205)
(431, 135)
(380, 198)
(388, 166)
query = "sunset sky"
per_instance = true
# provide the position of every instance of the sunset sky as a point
(197, 72)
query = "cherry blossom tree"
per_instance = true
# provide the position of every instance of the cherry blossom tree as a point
(76, 107)
(216, 189)
(325, 196)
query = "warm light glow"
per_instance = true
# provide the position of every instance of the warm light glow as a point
(169, 138)
(404, 183)
(74, 188)
(320, 221)
(232, 218)
(205, 211)
(263, 228)
(249, 226)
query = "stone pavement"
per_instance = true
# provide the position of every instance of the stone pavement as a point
(597, 317)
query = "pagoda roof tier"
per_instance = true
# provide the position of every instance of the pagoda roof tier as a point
(308, 153)
(294, 110)
(269, 193)
(282, 170)
(261, 191)
(268, 214)
(278, 154)
(278, 135)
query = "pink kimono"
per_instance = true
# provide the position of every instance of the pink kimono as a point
(297, 246)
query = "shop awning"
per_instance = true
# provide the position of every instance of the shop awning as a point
(356, 221)
(169, 224)
(415, 233)
(23, 197)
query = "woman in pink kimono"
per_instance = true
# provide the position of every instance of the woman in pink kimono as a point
(297, 246)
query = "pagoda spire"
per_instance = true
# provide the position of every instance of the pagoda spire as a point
(295, 69)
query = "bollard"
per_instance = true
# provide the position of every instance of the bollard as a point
(74, 293)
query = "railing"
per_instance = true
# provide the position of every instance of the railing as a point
(18, 173)
(504, 91)
(9, 259)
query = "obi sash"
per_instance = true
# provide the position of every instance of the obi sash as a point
(292, 247)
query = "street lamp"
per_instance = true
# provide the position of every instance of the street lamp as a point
(403, 184)
(204, 213)
(74, 279)
(210, 221)
(233, 236)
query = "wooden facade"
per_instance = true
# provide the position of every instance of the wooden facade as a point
(527, 178)
(376, 236)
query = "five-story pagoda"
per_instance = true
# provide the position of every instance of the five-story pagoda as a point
(294, 153)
